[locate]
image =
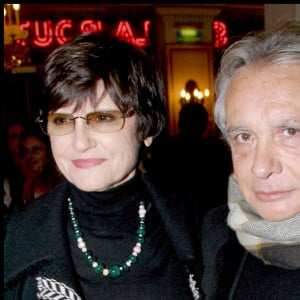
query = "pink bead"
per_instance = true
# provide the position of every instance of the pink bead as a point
(137, 249)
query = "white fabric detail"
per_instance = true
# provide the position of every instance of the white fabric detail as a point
(193, 287)
(50, 289)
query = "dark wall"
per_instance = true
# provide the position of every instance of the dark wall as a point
(21, 95)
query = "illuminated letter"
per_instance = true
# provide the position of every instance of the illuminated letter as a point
(48, 34)
(141, 42)
(124, 31)
(220, 30)
(90, 25)
(146, 28)
(60, 31)
(25, 25)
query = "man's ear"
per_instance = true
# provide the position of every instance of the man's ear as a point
(148, 141)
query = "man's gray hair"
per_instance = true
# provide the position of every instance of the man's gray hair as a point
(278, 46)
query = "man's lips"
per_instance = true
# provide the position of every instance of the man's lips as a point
(87, 163)
(272, 195)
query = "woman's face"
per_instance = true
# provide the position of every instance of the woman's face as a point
(95, 161)
(263, 122)
(35, 156)
(14, 137)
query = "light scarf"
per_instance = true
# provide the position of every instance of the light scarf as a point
(275, 242)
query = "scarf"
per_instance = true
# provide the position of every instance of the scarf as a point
(276, 243)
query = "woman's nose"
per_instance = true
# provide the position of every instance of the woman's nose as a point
(82, 136)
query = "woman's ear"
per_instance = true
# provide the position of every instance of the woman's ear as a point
(148, 141)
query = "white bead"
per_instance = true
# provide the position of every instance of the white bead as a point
(81, 244)
(128, 263)
(105, 272)
(94, 264)
(142, 213)
(79, 239)
(137, 249)
(84, 249)
(142, 210)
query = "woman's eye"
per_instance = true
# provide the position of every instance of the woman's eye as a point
(98, 117)
(60, 120)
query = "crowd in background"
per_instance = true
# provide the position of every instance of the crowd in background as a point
(29, 168)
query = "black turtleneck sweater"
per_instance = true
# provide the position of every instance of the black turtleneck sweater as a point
(108, 221)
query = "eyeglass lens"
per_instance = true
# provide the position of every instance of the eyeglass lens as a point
(104, 121)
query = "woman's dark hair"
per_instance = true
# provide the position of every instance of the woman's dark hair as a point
(130, 77)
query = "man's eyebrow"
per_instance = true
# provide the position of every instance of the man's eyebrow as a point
(288, 122)
(236, 129)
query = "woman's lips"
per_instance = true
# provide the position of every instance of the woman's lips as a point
(87, 163)
(272, 195)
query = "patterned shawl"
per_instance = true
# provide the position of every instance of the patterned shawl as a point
(275, 242)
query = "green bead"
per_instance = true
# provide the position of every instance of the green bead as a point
(125, 267)
(87, 254)
(74, 221)
(140, 240)
(90, 260)
(114, 271)
(99, 269)
(141, 231)
(132, 258)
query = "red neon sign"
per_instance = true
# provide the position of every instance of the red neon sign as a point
(46, 33)
(220, 32)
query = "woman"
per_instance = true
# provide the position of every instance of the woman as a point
(13, 166)
(251, 247)
(40, 171)
(105, 232)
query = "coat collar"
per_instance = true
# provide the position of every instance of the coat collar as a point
(41, 230)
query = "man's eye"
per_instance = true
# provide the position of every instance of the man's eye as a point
(242, 137)
(291, 131)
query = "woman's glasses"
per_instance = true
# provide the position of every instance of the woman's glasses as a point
(99, 121)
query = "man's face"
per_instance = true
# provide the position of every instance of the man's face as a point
(263, 125)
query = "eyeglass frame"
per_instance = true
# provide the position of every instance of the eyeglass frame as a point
(42, 118)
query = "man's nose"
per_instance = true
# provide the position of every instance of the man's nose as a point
(266, 160)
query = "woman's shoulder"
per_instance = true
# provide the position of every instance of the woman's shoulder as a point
(35, 212)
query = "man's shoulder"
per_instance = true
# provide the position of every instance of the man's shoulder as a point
(215, 231)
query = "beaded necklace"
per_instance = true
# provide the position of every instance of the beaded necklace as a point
(91, 260)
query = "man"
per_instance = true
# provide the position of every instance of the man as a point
(251, 247)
